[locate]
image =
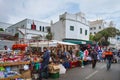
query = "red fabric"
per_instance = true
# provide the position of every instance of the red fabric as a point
(73, 64)
(33, 26)
(86, 52)
(19, 46)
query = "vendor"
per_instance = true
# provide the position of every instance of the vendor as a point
(6, 48)
(45, 61)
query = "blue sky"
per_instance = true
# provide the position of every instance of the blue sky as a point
(12, 11)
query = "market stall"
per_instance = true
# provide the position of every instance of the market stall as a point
(61, 59)
(14, 66)
(52, 43)
(19, 46)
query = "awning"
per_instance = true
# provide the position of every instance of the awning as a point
(4, 34)
(51, 43)
(77, 41)
(43, 44)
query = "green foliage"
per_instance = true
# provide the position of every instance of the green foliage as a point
(104, 43)
(16, 36)
(49, 36)
(91, 37)
(1, 29)
(97, 37)
(102, 36)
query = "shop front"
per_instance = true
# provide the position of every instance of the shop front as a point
(76, 41)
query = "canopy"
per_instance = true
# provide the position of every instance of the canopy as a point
(42, 44)
(5, 50)
(77, 41)
(64, 43)
(52, 43)
(19, 46)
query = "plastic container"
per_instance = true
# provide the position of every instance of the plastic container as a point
(54, 75)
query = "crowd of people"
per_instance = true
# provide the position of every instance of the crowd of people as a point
(93, 55)
(64, 57)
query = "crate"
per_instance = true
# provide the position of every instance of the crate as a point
(14, 63)
(26, 74)
(54, 75)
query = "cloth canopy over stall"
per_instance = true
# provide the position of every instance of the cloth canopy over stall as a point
(42, 44)
(3, 51)
(51, 43)
(64, 43)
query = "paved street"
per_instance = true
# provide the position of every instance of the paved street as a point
(87, 73)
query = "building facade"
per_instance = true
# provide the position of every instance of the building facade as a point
(71, 27)
(97, 25)
(115, 41)
(4, 25)
(27, 29)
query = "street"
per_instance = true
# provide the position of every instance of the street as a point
(87, 73)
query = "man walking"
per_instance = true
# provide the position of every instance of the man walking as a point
(94, 58)
(109, 56)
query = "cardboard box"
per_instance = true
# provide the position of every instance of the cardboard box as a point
(26, 74)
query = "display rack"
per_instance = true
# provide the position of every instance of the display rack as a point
(13, 63)
(12, 77)
(25, 74)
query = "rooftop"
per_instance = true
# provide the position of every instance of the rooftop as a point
(95, 22)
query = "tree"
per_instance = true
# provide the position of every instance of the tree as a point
(49, 36)
(91, 37)
(1, 29)
(102, 36)
(16, 36)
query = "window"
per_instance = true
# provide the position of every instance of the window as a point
(80, 30)
(94, 32)
(90, 28)
(99, 27)
(22, 26)
(118, 38)
(85, 32)
(40, 28)
(72, 28)
(94, 28)
(12, 30)
(43, 28)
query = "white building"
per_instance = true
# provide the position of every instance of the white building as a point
(71, 28)
(27, 29)
(99, 25)
(96, 26)
(115, 42)
(4, 25)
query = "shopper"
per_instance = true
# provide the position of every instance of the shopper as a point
(94, 58)
(108, 56)
(81, 57)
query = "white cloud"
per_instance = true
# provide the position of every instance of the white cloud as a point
(45, 10)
